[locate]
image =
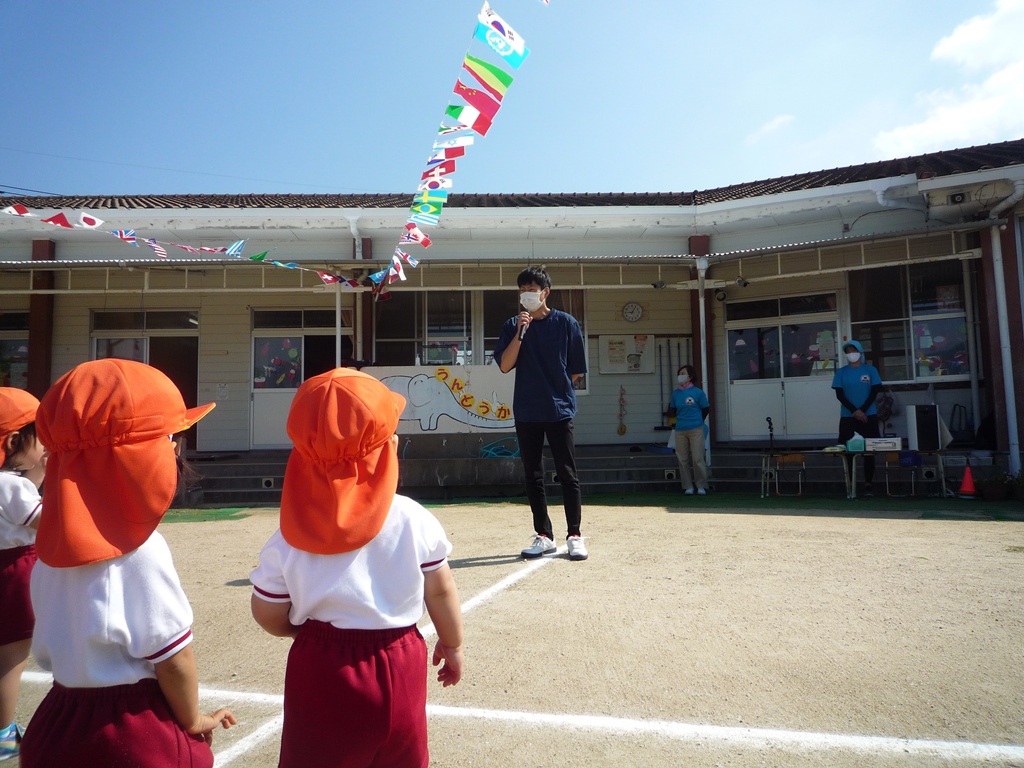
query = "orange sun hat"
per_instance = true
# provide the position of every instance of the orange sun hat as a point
(112, 472)
(343, 472)
(17, 409)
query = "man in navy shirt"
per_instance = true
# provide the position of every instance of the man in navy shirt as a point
(546, 348)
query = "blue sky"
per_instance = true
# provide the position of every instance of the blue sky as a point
(117, 98)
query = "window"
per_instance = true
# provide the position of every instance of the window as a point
(911, 320)
(14, 363)
(814, 304)
(499, 306)
(754, 353)
(145, 321)
(277, 362)
(440, 327)
(14, 349)
(292, 345)
(399, 328)
(299, 318)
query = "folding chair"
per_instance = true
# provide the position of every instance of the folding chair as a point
(790, 464)
(899, 465)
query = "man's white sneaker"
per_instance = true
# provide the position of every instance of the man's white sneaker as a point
(701, 492)
(688, 492)
(541, 545)
(577, 550)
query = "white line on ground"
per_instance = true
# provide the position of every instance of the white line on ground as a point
(749, 737)
(429, 631)
(246, 743)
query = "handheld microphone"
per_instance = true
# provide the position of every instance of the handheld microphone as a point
(522, 331)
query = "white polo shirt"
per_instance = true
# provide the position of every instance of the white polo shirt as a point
(378, 586)
(19, 507)
(108, 623)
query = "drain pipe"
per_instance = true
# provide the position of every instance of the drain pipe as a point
(702, 269)
(1004, 326)
(908, 203)
(353, 223)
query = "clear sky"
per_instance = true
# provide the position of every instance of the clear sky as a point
(120, 97)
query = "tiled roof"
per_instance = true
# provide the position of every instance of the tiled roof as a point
(923, 166)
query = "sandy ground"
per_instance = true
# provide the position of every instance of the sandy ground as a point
(685, 637)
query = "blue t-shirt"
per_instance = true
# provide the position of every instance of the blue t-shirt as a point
(688, 404)
(856, 383)
(551, 352)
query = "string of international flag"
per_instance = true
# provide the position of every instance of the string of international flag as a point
(455, 133)
(483, 97)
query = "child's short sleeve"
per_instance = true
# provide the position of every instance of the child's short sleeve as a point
(19, 500)
(434, 543)
(157, 615)
(267, 578)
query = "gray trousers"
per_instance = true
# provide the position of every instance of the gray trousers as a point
(690, 454)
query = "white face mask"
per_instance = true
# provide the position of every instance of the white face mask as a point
(531, 300)
(853, 357)
(682, 378)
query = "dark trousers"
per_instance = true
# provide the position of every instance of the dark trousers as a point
(531, 447)
(847, 426)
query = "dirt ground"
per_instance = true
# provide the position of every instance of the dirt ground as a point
(691, 637)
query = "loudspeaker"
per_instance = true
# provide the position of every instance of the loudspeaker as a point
(923, 427)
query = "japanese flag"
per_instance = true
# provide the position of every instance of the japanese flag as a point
(85, 221)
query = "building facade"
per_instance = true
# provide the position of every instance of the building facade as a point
(757, 285)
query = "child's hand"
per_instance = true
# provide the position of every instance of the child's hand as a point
(207, 723)
(451, 672)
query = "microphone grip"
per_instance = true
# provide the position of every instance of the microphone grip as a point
(522, 332)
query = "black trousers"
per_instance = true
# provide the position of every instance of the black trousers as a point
(847, 426)
(531, 436)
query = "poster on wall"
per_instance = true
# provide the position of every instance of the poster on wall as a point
(627, 354)
(451, 399)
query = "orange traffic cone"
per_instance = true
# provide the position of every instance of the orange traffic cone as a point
(967, 486)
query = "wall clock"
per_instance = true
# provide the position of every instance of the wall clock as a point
(632, 312)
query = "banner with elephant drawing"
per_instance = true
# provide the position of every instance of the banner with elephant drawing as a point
(451, 399)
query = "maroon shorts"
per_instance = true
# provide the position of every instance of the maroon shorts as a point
(15, 601)
(355, 697)
(122, 726)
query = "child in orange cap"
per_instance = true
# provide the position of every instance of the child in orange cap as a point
(112, 622)
(346, 575)
(22, 463)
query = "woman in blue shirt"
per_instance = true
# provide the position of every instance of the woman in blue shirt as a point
(691, 408)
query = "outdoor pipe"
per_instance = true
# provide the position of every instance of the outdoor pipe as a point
(1002, 316)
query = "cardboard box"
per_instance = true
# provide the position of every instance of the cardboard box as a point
(882, 444)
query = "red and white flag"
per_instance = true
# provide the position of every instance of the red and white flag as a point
(188, 248)
(328, 278)
(212, 250)
(416, 235)
(397, 271)
(87, 221)
(59, 220)
(18, 210)
(157, 248)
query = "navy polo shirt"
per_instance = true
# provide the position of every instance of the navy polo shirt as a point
(551, 353)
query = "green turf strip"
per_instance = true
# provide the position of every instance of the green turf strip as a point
(205, 515)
